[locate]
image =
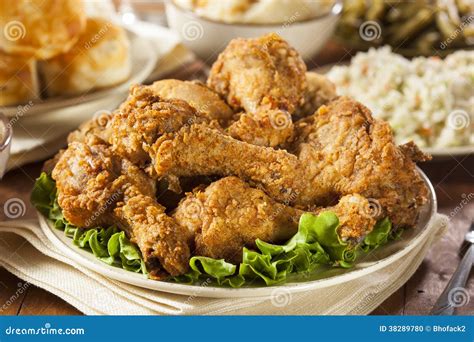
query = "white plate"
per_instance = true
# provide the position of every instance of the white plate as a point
(143, 60)
(438, 153)
(375, 261)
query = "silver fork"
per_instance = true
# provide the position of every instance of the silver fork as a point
(445, 305)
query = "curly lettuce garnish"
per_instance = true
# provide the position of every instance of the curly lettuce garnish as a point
(315, 245)
(107, 244)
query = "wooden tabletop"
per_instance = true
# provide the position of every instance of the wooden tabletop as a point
(453, 179)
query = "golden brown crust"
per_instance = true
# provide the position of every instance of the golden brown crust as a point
(201, 150)
(260, 76)
(97, 187)
(229, 215)
(143, 118)
(156, 234)
(320, 91)
(412, 151)
(42, 29)
(357, 216)
(197, 95)
(341, 150)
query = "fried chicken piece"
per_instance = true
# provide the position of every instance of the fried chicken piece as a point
(265, 77)
(344, 147)
(143, 118)
(320, 91)
(197, 95)
(202, 150)
(229, 215)
(97, 130)
(163, 242)
(341, 150)
(97, 187)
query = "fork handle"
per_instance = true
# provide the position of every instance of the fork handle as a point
(444, 305)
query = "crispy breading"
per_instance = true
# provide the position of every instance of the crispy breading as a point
(229, 215)
(347, 151)
(320, 91)
(265, 77)
(356, 215)
(97, 187)
(143, 118)
(197, 95)
(157, 235)
(201, 150)
(341, 150)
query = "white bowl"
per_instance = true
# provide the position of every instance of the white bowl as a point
(207, 38)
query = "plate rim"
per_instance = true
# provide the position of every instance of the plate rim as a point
(139, 280)
(53, 104)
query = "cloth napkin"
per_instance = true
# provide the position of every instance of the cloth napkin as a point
(40, 136)
(26, 252)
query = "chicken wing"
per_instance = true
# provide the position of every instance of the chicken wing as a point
(229, 215)
(97, 187)
(320, 91)
(197, 95)
(143, 118)
(341, 150)
(265, 77)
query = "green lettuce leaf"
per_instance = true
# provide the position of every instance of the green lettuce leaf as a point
(43, 194)
(378, 236)
(316, 244)
(107, 244)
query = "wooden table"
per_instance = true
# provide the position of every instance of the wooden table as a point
(453, 179)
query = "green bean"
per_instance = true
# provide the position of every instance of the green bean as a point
(408, 9)
(426, 41)
(376, 10)
(446, 27)
(419, 21)
(418, 24)
(464, 7)
(355, 8)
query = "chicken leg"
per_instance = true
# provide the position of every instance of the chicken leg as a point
(229, 215)
(97, 187)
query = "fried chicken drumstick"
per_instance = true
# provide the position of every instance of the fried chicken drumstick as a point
(97, 187)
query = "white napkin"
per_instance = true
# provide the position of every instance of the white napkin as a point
(26, 252)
